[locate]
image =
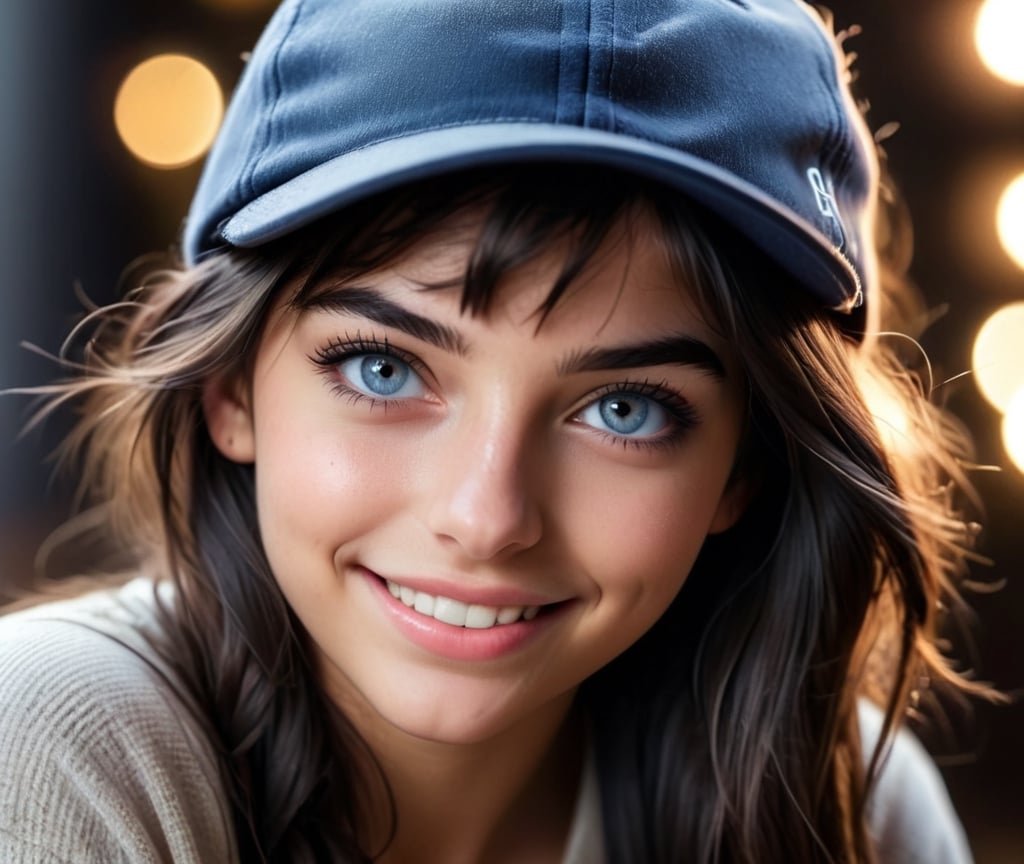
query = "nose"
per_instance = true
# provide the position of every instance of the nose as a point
(482, 497)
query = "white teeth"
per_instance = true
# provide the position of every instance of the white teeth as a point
(481, 617)
(458, 614)
(450, 611)
(508, 614)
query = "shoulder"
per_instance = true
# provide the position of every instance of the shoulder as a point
(910, 815)
(104, 758)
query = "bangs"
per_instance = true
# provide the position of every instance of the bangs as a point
(518, 215)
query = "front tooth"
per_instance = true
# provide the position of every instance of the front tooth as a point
(450, 611)
(424, 604)
(481, 617)
(458, 614)
(509, 614)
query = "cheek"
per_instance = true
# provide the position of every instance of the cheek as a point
(641, 536)
(651, 536)
(318, 484)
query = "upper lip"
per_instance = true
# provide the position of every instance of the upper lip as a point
(481, 595)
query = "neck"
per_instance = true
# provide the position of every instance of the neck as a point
(507, 798)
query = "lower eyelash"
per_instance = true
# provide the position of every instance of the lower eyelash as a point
(682, 414)
(328, 357)
(355, 397)
(668, 441)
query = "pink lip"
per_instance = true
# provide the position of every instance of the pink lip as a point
(462, 643)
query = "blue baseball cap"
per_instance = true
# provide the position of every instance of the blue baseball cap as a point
(740, 105)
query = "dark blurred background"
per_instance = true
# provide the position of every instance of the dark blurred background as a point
(77, 206)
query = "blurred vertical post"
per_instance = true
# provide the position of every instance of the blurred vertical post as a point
(37, 192)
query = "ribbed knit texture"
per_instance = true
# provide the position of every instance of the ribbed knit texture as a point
(104, 758)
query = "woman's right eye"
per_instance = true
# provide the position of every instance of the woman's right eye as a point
(381, 376)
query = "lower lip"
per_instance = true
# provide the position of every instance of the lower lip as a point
(466, 644)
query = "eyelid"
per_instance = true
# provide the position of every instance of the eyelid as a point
(683, 415)
(658, 391)
(342, 348)
(329, 356)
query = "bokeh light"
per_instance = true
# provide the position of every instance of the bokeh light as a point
(1013, 429)
(998, 33)
(168, 110)
(1010, 218)
(998, 356)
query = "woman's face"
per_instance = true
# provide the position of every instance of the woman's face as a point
(470, 515)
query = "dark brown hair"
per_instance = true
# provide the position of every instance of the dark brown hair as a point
(729, 732)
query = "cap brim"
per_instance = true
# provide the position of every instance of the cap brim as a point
(798, 247)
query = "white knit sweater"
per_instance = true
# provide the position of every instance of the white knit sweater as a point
(104, 760)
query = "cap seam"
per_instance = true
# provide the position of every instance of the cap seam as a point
(276, 88)
(834, 157)
(599, 59)
(613, 64)
(588, 65)
(571, 99)
(559, 65)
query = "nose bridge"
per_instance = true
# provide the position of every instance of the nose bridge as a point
(484, 497)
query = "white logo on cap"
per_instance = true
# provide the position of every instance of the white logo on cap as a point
(826, 202)
(822, 193)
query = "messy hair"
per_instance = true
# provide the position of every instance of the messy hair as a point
(729, 732)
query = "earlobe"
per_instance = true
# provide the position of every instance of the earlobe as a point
(229, 418)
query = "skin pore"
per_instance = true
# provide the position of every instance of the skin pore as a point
(563, 477)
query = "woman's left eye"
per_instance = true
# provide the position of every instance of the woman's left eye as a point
(627, 415)
(381, 376)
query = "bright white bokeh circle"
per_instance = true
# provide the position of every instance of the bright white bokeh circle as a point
(1010, 219)
(1013, 429)
(998, 35)
(998, 355)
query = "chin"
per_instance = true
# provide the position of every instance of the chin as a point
(461, 710)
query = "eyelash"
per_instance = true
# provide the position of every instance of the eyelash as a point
(682, 416)
(328, 357)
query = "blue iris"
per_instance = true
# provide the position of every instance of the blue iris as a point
(382, 375)
(624, 415)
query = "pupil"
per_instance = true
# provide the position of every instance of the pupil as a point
(621, 408)
(383, 368)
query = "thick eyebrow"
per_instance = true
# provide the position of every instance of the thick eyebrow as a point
(367, 303)
(681, 350)
(676, 350)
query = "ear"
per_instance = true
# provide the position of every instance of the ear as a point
(226, 406)
(733, 504)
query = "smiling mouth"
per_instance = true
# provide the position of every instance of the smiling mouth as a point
(458, 614)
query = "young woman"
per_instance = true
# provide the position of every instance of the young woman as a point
(497, 468)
